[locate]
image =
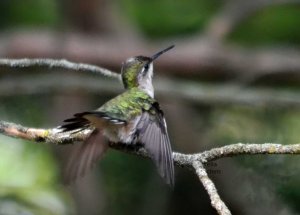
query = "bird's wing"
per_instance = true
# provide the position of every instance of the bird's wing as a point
(152, 133)
(83, 120)
(116, 111)
(84, 156)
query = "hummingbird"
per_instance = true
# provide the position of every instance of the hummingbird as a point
(133, 117)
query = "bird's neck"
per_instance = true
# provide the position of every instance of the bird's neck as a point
(147, 88)
(144, 85)
(145, 82)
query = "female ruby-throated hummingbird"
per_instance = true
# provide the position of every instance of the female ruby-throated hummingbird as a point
(133, 117)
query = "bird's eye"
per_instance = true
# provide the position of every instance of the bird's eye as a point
(146, 67)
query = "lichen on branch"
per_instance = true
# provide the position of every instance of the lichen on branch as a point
(190, 161)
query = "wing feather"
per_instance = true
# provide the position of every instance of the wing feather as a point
(84, 157)
(82, 120)
(152, 133)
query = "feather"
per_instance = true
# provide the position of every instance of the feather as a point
(74, 124)
(83, 120)
(152, 133)
(84, 157)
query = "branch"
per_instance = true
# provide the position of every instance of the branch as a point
(196, 58)
(59, 64)
(226, 94)
(209, 186)
(246, 149)
(53, 136)
(191, 161)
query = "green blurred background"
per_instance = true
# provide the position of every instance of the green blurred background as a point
(198, 119)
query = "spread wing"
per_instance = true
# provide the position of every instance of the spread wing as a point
(84, 156)
(152, 133)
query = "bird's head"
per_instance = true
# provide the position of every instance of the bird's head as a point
(138, 71)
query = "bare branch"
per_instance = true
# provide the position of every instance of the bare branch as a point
(194, 58)
(196, 161)
(53, 136)
(247, 149)
(61, 64)
(187, 90)
(209, 186)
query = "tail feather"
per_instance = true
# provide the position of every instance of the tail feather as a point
(75, 123)
(75, 126)
(84, 156)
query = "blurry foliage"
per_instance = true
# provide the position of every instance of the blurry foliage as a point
(29, 175)
(290, 191)
(123, 176)
(128, 176)
(170, 17)
(29, 13)
(245, 124)
(29, 180)
(248, 125)
(21, 109)
(272, 25)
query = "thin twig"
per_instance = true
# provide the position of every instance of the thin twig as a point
(194, 58)
(246, 149)
(61, 64)
(209, 186)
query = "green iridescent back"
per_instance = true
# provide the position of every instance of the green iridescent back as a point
(129, 104)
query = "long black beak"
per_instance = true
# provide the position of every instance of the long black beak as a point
(161, 52)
